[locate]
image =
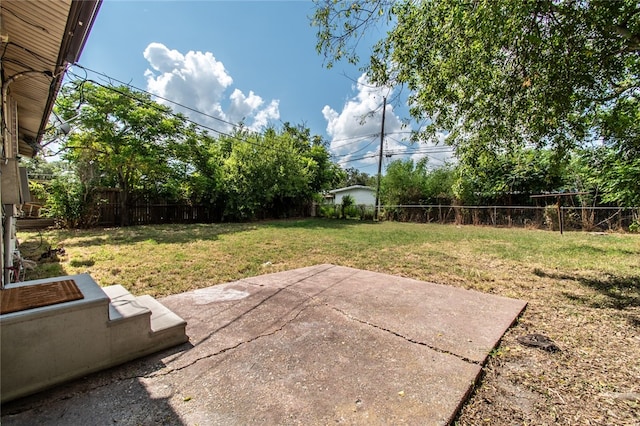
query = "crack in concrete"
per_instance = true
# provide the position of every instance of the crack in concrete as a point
(172, 370)
(285, 288)
(408, 339)
(227, 349)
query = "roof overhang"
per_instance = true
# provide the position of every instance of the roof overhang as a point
(351, 188)
(39, 41)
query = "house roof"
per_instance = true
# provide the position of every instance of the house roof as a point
(349, 188)
(39, 40)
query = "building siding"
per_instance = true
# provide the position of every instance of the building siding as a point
(361, 195)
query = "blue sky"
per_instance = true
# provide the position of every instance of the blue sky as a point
(249, 61)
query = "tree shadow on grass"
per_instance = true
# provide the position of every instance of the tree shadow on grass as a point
(318, 223)
(165, 234)
(38, 247)
(187, 233)
(622, 292)
(618, 292)
(590, 250)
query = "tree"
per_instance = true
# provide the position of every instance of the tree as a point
(438, 186)
(404, 182)
(510, 178)
(325, 174)
(40, 168)
(121, 138)
(274, 174)
(613, 177)
(70, 201)
(202, 157)
(353, 176)
(492, 75)
(347, 203)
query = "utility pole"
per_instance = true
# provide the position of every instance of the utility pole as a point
(377, 211)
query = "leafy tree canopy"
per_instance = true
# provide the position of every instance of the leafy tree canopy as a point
(404, 182)
(495, 74)
(352, 176)
(121, 138)
(274, 173)
(608, 175)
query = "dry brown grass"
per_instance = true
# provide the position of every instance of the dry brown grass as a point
(583, 291)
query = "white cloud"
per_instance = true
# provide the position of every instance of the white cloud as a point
(355, 132)
(265, 115)
(199, 81)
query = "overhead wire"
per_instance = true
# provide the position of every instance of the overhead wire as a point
(181, 116)
(355, 139)
(217, 131)
(354, 152)
(234, 125)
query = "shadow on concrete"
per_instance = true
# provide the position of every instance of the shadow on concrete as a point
(117, 395)
(318, 345)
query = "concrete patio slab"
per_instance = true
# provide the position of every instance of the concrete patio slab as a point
(318, 345)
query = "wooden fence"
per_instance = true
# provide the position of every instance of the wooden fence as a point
(574, 217)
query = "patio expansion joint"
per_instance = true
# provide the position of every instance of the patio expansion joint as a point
(408, 339)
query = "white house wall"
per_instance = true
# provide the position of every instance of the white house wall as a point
(360, 196)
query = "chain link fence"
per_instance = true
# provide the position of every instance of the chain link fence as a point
(539, 217)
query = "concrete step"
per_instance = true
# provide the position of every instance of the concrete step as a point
(142, 324)
(46, 346)
(124, 305)
(162, 319)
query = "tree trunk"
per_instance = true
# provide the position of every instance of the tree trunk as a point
(124, 200)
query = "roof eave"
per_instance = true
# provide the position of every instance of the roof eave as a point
(79, 23)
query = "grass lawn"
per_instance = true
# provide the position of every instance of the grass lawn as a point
(583, 291)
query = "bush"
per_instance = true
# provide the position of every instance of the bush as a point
(350, 212)
(70, 203)
(38, 191)
(329, 211)
(366, 212)
(347, 203)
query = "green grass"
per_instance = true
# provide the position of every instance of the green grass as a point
(162, 260)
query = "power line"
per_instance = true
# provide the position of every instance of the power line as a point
(336, 157)
(355, 139)
(361, 149)
(234, 125)
(187, 119)
(110, 79)
(151, 104)
(364, 157)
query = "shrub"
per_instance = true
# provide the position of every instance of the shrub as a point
(347, 202)
(71, 203)
(329, 211)
(350, 212)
